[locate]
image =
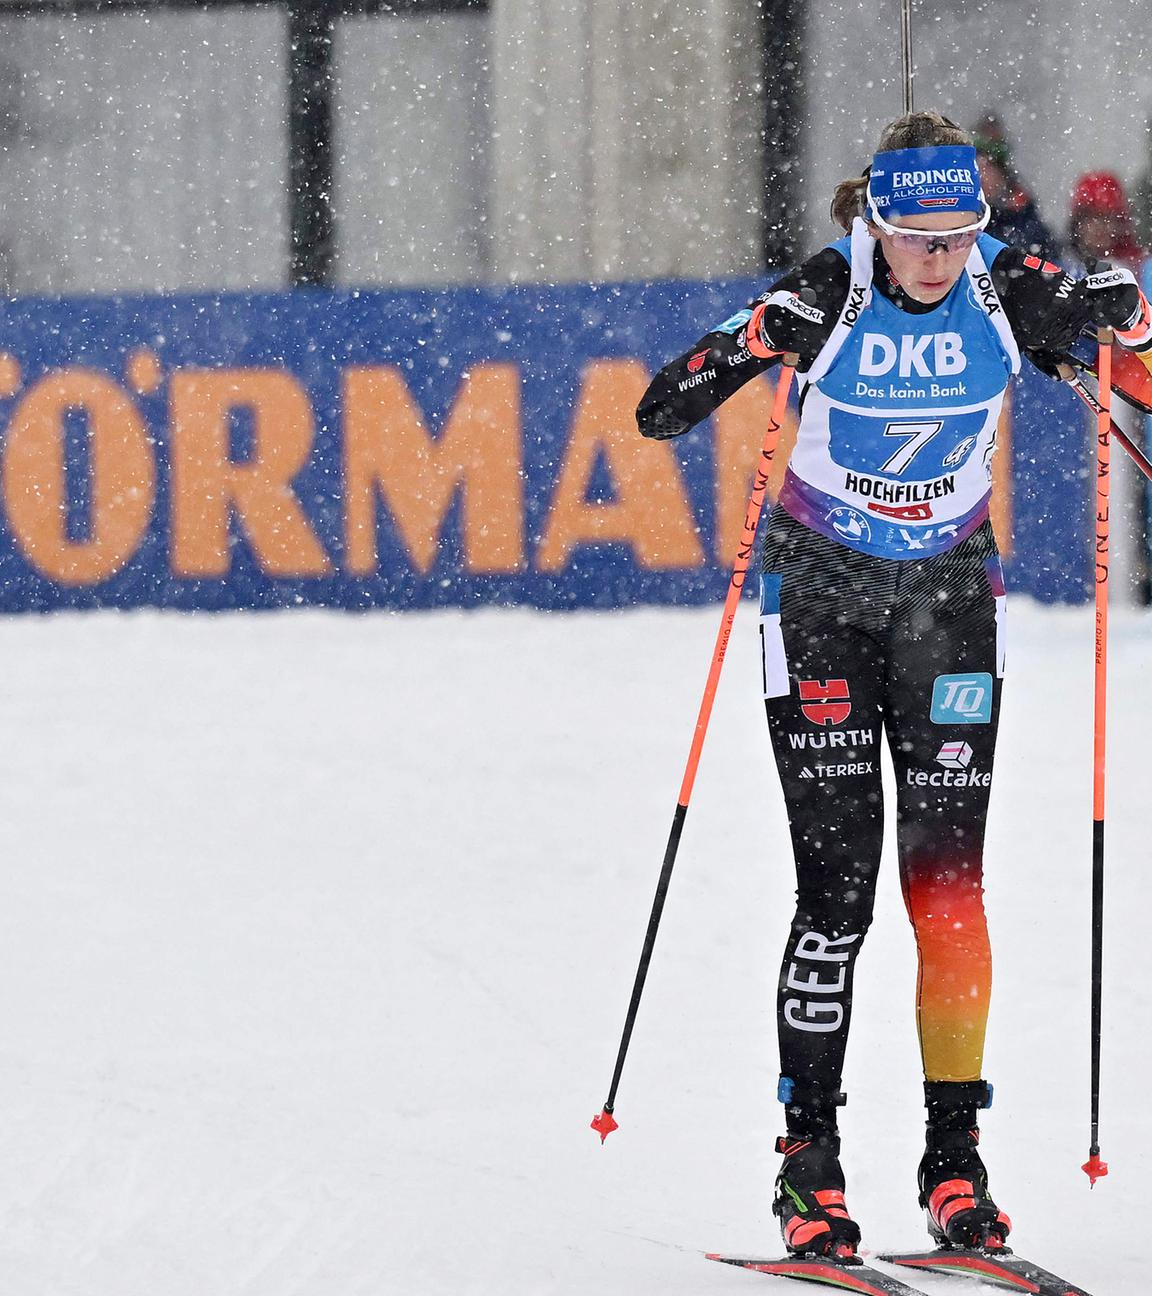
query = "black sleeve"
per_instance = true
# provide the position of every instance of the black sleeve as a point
(801, 310)
(1045, 310)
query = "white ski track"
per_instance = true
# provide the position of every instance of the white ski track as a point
(318, 931)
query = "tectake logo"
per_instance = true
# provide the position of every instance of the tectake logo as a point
(954, 755)
(958, 771)
(825, 702)
(962, 699)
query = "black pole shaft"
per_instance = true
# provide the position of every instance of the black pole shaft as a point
(784, 24)
(649, 945)
(1097, 973)
(1138, 457)
(906, 65)
(311, 27)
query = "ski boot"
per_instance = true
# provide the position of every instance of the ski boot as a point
(952, 1178)
(809, 1198)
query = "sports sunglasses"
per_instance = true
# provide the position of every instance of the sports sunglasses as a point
(921, 241)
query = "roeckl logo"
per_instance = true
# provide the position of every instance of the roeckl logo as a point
(793, 302)
(1108, 278)
(825, 702)
(696, 363)
(879, 354)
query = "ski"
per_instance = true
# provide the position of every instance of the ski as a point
(844, 1275)
(1000, 1268)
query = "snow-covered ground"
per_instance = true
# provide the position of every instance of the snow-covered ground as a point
(318, 930)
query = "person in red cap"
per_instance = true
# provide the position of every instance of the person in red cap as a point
(1101, 226)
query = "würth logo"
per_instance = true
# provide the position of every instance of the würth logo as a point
(825, 702)
(696, 363)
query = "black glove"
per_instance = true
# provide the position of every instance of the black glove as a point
(1112, 296)
(660, 423)
(1063, 320)
(1047, 362)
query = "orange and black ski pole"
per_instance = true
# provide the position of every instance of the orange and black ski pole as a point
(1073, 380)
(605, 1122)
(1094, 1167)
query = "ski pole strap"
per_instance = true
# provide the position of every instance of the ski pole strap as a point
(800, 1093)
(960, 1093)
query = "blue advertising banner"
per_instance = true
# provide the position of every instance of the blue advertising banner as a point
(415, 450)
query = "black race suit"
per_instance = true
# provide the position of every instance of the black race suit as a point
(876, 636)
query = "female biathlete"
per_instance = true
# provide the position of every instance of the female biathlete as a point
(882, 610)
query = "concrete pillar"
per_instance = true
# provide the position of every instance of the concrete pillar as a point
(626, 139)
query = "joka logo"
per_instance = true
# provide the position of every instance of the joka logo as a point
(696, 363)
(857, 295)
(962, 699)
(825, 702)
(954, 755)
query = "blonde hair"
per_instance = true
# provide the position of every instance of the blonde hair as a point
(915, 130)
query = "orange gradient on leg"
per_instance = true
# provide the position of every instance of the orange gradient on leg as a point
(945, 902)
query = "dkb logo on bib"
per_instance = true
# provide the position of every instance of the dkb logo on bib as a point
(879, 354)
